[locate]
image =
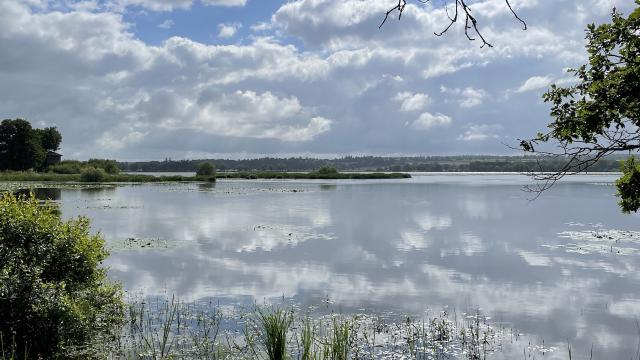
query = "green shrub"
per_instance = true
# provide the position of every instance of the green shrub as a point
(327, 170)
(66, 167)
(54, 296)
(93, 175)
(206, 169)
(109, 166)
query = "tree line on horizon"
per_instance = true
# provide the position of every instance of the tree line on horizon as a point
(463, 163)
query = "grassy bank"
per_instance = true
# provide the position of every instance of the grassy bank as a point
(43, 177)
(140, 178)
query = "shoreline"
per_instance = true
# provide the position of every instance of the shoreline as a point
(144, 178)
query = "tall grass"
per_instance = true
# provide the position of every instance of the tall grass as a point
(168, 329)
(307, 338)
(340, 343)
(10, 351)
(275, 325)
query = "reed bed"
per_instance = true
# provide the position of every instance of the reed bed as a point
(168, 329)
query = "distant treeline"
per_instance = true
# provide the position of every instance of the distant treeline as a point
(473, 163)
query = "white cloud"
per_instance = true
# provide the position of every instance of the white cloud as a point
(481, 132)
(83, 67)
(225, 2)
(116, 141)
(167, 24)
(242, 114)
(412, 101)
(467, 97)
(427, 121)
(228, 30)
(535, 83)
(169, 5)
(472, 97)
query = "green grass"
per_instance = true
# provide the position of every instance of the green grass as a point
(130, 178)
(275, 325)
(341, 339)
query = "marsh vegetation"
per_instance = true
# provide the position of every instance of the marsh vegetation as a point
(161, 328)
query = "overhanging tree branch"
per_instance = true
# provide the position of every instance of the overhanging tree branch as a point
(471, 29)
(600, 114)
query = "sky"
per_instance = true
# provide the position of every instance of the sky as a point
(156, 79)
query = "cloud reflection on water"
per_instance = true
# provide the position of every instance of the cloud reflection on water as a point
(405, 247)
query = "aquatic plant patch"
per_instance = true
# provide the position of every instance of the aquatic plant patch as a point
(598, 241)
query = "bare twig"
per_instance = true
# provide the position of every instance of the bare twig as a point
(578, 156)
(471, 29)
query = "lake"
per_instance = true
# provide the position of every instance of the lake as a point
(562, 268)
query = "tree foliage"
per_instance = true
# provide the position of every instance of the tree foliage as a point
(599, 115)
(54, 295)
(327, 169)
(206, 169)
(77, 167)
(22, 147)
(109, 166)
(50, 138)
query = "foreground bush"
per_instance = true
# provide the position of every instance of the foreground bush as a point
(55, 299)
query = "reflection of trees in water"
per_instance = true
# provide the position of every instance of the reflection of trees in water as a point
(207, 186)
(97, 190)
(41, 193)
(328, 187)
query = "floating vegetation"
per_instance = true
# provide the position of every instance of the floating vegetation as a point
(140, 243)
(113, 206)
(598, 241)
(227, 188)
(21, 185)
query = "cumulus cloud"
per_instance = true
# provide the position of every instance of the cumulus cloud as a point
(244, 114)
(481, 132)
(467, 97)
(169, 5)
(228, 30)
(535, 83)
(412, 101)
(167, 24)
(315, 78)
(427, 121)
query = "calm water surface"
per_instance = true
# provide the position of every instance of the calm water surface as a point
(561, 268)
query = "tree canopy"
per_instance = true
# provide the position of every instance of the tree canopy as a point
(22, 147)
(206, 169)
(599, 115)
(50, 138)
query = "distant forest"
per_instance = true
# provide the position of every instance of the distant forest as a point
(471, 163)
